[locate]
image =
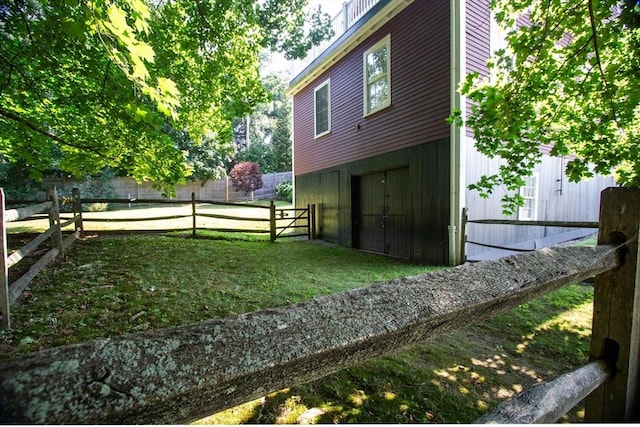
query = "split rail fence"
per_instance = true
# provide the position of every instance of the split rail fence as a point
(282, 222)
(188, 372)
(279, 222)
(9, 293)
(537, 223)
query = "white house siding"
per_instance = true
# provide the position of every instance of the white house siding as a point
(558, 200)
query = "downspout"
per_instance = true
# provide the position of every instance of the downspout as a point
(293, 157)
(457, 184)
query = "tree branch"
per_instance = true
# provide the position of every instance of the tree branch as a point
(596, 50)
(25, 20)
(106, 76)
(11, 116)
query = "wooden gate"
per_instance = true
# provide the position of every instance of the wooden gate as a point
(382, 213)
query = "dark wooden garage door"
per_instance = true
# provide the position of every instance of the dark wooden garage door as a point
(382, 213)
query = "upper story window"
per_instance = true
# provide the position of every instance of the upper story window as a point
(377, 76)
(529, 191)
(322, 109)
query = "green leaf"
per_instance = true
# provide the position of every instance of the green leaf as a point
(28, 340)
(117, 19)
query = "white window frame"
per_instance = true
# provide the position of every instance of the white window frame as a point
(529, 212)
(386, 41)
(327, 84)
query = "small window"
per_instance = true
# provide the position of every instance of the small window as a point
(322, 109)
(529, 192)
(377, 76)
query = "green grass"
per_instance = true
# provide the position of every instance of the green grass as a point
(114, 285)
(110, 286)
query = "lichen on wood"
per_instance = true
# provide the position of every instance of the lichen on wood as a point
(179, 374)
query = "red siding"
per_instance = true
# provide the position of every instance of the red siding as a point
(478, 35)
(478, 38)
(419, 94)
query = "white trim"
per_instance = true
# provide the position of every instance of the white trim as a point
(326, 83)
(293, 152)
(458, 142)
(385, 41)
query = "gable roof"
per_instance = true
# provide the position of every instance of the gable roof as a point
(378, 15)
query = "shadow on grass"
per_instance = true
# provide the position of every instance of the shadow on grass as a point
(453, 378)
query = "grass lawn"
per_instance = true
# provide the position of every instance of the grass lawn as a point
(116, 285)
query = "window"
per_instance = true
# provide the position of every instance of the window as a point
(529, 191)
(322, 109)
(377, 76)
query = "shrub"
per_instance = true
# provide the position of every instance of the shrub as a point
(246, 177)
(284, 191)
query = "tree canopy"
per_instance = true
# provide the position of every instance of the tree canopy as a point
(269, 133)
(568, 81)
(86, 84)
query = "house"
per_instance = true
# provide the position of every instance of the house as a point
(372, 149)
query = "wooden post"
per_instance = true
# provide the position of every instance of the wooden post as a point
(77, 211)
(193, 214)
(54, 220)
(463, 236)
(314, 229)
(309, 229)
(272, 220)
(616, 311)
(5, 323)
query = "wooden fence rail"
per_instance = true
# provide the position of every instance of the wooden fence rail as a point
(9, 293)
(179, 374)
(537, 223)
(299, 221)
(545, 403)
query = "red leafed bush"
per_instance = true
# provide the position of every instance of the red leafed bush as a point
(246, 177)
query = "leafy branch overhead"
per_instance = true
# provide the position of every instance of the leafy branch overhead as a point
(86, 84)
(567, 80)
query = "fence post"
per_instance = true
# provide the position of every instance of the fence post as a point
(272, 220)
(616, 311)
(193, 214)
(5, 323)
(77, 210)
(314, 230)
(54, 220)
(309, 229)
(463, 236)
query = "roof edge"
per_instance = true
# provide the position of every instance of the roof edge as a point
(381, 13)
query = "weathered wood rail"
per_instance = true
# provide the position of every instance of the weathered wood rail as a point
(180, 374)
(537, 223)
(9, 293)
(297, 221)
